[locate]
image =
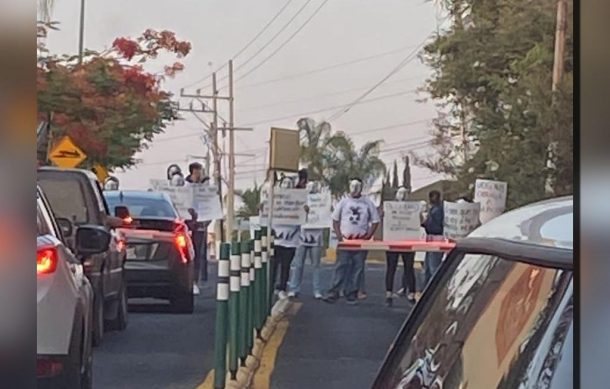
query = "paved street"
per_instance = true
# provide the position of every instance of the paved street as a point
(159, 349)
(338, 346)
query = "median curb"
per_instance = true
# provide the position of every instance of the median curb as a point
(245, 374)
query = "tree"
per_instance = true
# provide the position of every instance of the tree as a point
(492, 81)
(251, 199)
(395, 183)
(406, 174)
(108, 104)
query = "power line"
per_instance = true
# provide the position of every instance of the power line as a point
(329, 67)
(283, 43)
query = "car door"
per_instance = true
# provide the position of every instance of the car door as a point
(486, 318)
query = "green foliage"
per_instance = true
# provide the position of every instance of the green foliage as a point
(492, 79)
(251, 199)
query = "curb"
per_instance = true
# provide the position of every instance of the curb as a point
(245, 374)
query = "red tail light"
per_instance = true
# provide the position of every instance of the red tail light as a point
(182, 245)
(46, 260)
(46, 367)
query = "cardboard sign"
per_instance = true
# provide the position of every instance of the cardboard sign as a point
(320, 214)
(202, 198)
(460, 218)
(288, 207)
(401, 220)
(492, 197)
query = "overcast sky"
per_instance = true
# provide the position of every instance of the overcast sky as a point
(342, 31)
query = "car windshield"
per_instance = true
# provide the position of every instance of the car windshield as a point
(141, 206)
(493, 324)
(67, 198)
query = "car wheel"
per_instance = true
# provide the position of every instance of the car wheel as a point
(86, 381)
(76, 370)
(183, 303)
(119, 323)
(98, 319)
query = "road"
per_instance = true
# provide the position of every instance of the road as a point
(159, 349)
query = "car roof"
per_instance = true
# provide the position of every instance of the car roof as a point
(87, 173)
(547, 223)
(137, 193)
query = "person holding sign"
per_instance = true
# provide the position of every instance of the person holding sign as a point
(408, 261)
(351, 220)
(434, 227)
(310, 245)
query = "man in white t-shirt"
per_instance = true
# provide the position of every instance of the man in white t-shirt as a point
(310, 245)
(355, 217)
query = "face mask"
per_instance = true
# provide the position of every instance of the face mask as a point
(401, 194)
(177, 180)
(286, 184)
(355, 187)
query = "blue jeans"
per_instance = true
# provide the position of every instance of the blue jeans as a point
(296, 274)
(431, 264)
(348, 272)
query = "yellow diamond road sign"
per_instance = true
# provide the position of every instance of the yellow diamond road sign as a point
(101, 172)
(66, 154)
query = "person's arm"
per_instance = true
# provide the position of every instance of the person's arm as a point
(337, 221)
(375, 219)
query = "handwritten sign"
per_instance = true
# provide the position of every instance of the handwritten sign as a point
(288, 207)
(401, 220)
(460, 218)
(492, 197)
(320, 214)
(202, 198)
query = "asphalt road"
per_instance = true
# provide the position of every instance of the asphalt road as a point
(338, 346)
(159, 349)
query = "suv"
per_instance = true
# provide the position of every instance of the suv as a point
(76, 195)
(499, 311)
(64, 301)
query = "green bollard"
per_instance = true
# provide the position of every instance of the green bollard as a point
(243, 302)
(251, 296)
(258, 274)
(272, 281)
(234, 317)
(222, 296)
(265, 283)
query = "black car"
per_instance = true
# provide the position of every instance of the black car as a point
(498, 313)
(159, 247)
(76, 195)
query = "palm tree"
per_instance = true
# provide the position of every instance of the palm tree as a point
(251, 199)
(313, 140)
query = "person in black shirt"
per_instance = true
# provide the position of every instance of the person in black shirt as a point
(434, 230)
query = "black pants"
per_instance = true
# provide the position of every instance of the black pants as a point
(282, 259)
(201, 256)
(408, 278)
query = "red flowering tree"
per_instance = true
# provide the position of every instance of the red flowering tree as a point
(107, 103)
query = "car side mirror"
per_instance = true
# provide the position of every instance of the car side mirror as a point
(66, 227)
(121, 211)
(91, 240)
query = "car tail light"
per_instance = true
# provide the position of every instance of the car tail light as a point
(47, 367)
(46, 260)
(181, 242)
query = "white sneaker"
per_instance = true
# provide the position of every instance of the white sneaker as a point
(196, 290)
(318, 296)
(292, 294)
(282, 295)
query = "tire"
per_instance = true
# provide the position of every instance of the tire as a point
(98, 318)
(183, 303)
(78, 373)
(119, 323)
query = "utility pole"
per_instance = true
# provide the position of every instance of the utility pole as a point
(560, 42)
(216, 153)
(231, 194)
(81, 32)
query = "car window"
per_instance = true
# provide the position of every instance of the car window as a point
(143, 206)
(43, 227)
(67, 198)
(98, 196)
(44, 220)
(493, 323)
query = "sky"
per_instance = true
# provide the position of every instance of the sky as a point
(347, 47)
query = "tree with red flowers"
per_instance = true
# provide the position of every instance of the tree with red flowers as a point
(107, 103)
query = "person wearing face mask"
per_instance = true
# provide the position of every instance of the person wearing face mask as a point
(310, 245)
(285, 244)
(354, 217)
(111, 183)
(408, 260)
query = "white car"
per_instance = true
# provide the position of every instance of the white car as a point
(64, 301)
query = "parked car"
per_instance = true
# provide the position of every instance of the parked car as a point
(159, 247)
(64, 301)
(76, 195)
(498, 313)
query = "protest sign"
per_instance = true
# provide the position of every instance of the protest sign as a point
(492, 197)
(460, 218)
(288, 207)
(401, 220)
(320, 214)
(255, 224)
(202, 198)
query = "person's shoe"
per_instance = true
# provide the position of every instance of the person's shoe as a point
(341, 294)
(362, 295)
(318, 296)
(352, 300)
(417, 296)
(282, 295)
(196, 290)
(402, 292)
(292, 294)
(330, 298)
(411, 297)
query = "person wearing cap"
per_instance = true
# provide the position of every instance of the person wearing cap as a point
(354, 217)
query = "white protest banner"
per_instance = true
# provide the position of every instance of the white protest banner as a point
(255, 224)
(460, 218)
(288, 207)
(401, 220)
(179, 195)
(320, 214)
(492, 197)
(206, 202)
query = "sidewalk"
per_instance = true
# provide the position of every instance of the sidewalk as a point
(338, 346)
